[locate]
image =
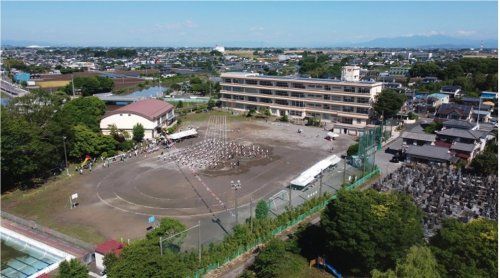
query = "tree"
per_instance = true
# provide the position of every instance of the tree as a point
(261, 210)
(90, 85)
(432, 127)
(72, 269)
(138, 132)
(284, 118)
(367, 230)
(277, 261)
(84, 110)
(418, 262)
(467, 249)
(180, 104)
(353, 149)
(389, 102)
(88, 142)
(486, 163)
(211, 104)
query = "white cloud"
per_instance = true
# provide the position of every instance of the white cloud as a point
(465, 33)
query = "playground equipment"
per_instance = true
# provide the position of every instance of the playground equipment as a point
(320, 262)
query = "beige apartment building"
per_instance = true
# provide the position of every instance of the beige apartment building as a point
(347, 103)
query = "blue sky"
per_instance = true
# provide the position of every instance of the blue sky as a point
(241, 23)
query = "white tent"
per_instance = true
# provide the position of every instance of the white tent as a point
(332, 135)
(310, 174)
(183, 134)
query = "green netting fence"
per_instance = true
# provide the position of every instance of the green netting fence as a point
(247, 247)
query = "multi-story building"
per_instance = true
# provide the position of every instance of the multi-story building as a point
(348, 102)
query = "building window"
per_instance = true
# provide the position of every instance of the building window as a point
(295, 113)
(299, 85)
(336, 98)
(254, 99)
(348, 109)
(251, 82)
(226, 88)
(364, 90)
(363, 100)
(282, 84)
(362, 110)
(346, 120)
(298, 103)
(266, 92)
(237, 81)
(348, 99)
(327, 97)
(266, 83)
(227, 80)
(349, 89)
(266, 100)
(281, 93)
(281, 102)
(237, 89)
(299, 95)
(129, 115)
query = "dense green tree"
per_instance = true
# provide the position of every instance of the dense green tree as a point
(88, 142)
(467, 249)
(26, 153)
(90, 85)
(388, 103)
(73, 269)
(261, 210)
(84, 110)
(433, 127)
(138, 132)
(353, 149)
(211, 104)
(276, 261)
(418, 262)
(367, 230)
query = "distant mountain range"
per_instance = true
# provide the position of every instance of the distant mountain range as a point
(434, 41)
(417, 41)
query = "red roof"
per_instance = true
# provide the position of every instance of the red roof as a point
(442, 144)
(110, 246)
(150, 109)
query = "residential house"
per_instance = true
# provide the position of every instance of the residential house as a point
(449, 111)
(451, 90)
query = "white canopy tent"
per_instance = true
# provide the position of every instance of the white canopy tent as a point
(183, 134)
(308, 176)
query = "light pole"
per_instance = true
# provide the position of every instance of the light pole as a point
(65, 156)
(236, 185)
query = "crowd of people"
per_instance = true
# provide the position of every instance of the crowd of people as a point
(442, 191)
(215, 153)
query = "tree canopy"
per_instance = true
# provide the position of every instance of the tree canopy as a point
(73, 269)
(367, 230)
(277, 261)
(418, 262)
(261, 210)
(467, 249)
(486, 163)
(90, 85)
(138, 132)
(389, 102)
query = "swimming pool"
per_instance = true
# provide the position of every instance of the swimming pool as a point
(35, 257)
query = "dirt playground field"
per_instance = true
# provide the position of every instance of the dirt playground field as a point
(116, 202)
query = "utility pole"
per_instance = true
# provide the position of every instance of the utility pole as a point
(161, 247)
(65, 156)
(236, 185)
(290, 196)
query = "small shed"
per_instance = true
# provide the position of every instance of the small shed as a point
(110, 246)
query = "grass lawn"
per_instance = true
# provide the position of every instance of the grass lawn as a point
(43, 203)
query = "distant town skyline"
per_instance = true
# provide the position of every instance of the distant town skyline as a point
(248, 24)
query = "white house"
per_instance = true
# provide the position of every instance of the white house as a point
(152, 114)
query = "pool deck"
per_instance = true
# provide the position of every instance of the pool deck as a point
(44, 238)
